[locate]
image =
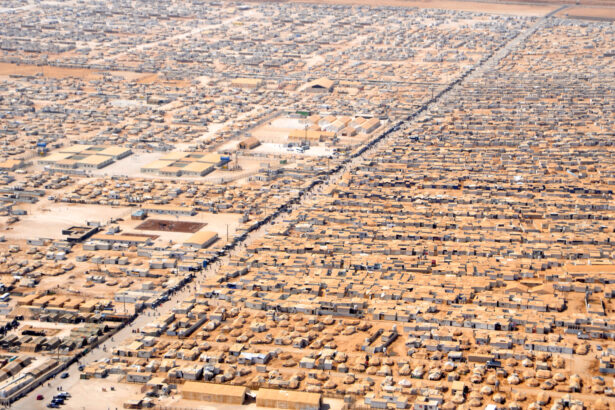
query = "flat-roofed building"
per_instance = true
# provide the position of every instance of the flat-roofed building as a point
(185, 163)
(154, 166)
(11, 164)
(116, 152)
(213, 158)
(246, 82)
(54, 158)
(74, 149)
(214, 393)
(284, 399)
(68, 163)
(130, 240)
(174, 156)
(201, 239)
(84, 156)
(94, 161)
(170, 171)
(197, 169)
(169, 209)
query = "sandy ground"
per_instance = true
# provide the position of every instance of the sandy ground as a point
(281, 149)
(230, 146)
(269, 134)
(74, 285)
(90, 392)
(277, 130)
(475, 6)
(49, 221)
(284, 122)
(591, 12)
(64, 328)
(60, 72)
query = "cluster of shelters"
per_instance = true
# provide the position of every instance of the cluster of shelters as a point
(467, 262)
(468, 257)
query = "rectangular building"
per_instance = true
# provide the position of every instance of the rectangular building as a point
(169, 209)
(284, 399)
(201, 239)
(214, 393)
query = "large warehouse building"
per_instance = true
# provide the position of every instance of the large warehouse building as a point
(284, 399)
(214, 393)
(84, 156)
(201, 239)
(193, 164)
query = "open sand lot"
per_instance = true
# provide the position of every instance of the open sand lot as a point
(62, 329)
(61, 72)
(597, 13)
(96, 393)
(475, 6)
(279, 149)
(277, 130)
(284, 122)
(49, 221)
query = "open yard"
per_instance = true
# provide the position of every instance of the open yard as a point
(61, 72)
(277, 130)
(49, 221)
(281, 149)
(591, 13)
(96, 393)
